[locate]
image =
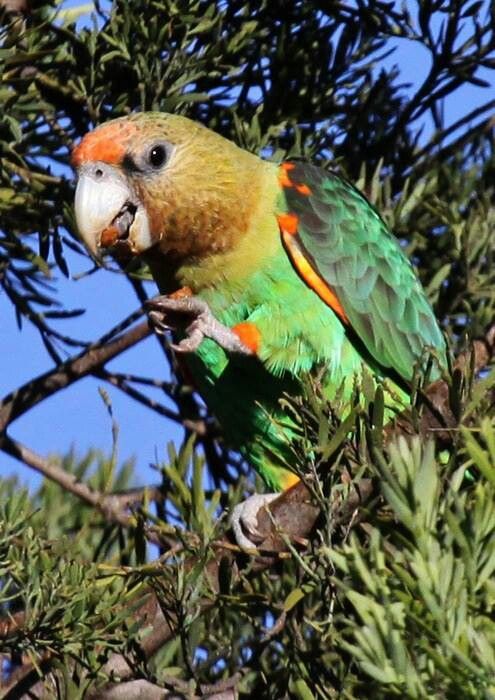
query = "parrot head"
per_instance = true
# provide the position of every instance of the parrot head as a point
(157, 181)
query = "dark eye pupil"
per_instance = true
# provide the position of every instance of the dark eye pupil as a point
(157, 156)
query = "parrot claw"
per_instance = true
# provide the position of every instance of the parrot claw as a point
(203, 325)
(157, 323)
(244, 520)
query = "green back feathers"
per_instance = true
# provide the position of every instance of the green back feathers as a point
(350, 247)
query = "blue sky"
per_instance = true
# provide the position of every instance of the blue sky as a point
(77, 416)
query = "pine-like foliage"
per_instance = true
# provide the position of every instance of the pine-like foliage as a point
(108, 591)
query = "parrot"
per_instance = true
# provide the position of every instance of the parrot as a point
(284, 269)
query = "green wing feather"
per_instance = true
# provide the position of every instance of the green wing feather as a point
(352, 250)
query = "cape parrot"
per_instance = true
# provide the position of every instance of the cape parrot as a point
(285, 268)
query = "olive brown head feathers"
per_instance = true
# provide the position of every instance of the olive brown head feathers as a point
(156, 179)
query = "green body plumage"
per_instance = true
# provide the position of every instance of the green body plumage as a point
(295, 251)
(391, 322)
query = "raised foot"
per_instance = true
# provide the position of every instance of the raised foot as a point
(244, 520)
(202, 325)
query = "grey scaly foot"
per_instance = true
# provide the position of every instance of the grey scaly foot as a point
(203, 325)
(244, 520)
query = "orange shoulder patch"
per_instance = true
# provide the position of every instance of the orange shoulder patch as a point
(285, 180)
(303, 189)
(310, 276)
(288, 223)
(283, 174)
(249, 335)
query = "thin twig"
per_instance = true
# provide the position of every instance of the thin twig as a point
(120, 382)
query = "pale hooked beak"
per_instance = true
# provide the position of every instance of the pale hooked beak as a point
(108, 213)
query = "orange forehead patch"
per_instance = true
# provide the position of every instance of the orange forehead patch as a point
(108, 143)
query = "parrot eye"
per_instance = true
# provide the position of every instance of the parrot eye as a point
(157, 156)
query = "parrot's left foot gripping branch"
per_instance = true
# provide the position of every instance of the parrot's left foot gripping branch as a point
(201, 324)
(244, 520)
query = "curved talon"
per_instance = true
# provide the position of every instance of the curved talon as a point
(192, 341)
(203, 325)
(157, 323)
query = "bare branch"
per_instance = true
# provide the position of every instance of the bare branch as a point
(33, 392)
(144, 690)
(114, 507)
(64, 479)
(133, 690)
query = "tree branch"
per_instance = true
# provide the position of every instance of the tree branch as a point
(33, 392)
(65, 480)
(113, 507)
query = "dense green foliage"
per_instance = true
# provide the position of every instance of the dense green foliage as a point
(398, 602)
